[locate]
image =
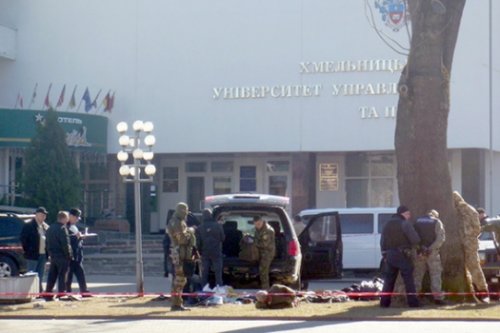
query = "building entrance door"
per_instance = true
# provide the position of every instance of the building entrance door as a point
(195, 192)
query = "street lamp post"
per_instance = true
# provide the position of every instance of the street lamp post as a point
(131, 173)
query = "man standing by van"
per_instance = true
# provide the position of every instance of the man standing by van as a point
(432, 235)
(396, 242)
(264, 241)
(181, 250)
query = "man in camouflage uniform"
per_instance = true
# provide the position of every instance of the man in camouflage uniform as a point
(264, 241)
(277, 297)
(472, 228)
(182, 242)
(432, 236)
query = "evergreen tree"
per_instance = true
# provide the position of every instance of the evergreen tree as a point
(50, 176)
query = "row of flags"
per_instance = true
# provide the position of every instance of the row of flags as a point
(89, 104)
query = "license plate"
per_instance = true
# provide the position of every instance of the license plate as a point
(494, 280)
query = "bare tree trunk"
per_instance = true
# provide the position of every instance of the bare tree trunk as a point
(422, 121)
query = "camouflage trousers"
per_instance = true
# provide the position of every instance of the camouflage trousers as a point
(178, 283)
(473, 265)
(264, 265)
(433, 264)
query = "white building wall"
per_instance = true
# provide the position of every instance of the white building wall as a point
(164, 59)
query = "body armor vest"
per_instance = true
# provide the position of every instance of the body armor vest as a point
(426, 229)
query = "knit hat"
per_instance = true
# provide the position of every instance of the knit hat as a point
(402, 209)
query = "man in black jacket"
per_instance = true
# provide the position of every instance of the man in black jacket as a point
(76, 265)
(34, 245)
(59, 249)
(209, 243)
(396, 242)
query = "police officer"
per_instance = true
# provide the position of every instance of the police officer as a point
(211, 236)
(432, 236)
(396, 242)
(472, 228)
(264, 241)
(76, 265)
(181, 250)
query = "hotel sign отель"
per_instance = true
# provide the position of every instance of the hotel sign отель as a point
(84, 132)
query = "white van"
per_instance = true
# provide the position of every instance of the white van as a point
(361, 228)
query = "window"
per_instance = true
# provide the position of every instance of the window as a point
(222, 166)
(248, 178)
(277, 185)
(324, 228)
(222, 176)
(170, 179)
(196, 167)
(370, 180)
(222, 185)
(356, 223)
(278, 166)
(382, 221)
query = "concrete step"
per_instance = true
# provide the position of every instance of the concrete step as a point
(114, 253)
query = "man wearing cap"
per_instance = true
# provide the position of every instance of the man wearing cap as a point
(76, 265)
(396, 242)
(265, 243)
(181, 250)
(431, 231)
(33, 242)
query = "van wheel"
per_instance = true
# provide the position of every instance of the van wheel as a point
(8, 267)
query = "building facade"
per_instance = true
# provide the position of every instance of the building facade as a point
(289, 97)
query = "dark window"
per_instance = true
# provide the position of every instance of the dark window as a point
(196, 167)
(248, 179)
(356, 223)
(10, 227)
(170, 179)
(382, 221)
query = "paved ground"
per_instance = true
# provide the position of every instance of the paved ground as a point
(241, 326)
(158, 285)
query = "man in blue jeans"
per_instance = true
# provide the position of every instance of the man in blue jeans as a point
(33, 242)
(396, 242)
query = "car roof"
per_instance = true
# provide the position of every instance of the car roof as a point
(24, 217)
(250, 199)
(17, 210)
(355, 210)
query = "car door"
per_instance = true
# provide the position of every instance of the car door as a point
(321, 246)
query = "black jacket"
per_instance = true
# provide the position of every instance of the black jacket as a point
(398, 234)
(30, 239)
(58, 245)
(209, 239)
(76, 246)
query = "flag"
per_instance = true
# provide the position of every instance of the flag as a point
(33, 96)
(72, 100)
(19, 101)
(105, 102)
(47, 98)
(111, 103)
(86, 99)
(94, 103)
(61, 97)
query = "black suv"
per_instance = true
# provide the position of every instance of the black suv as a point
(12, 261)
(319, 242)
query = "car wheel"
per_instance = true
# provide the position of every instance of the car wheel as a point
(8, 267)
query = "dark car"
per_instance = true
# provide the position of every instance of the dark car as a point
(12, 261)
(316, 253)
